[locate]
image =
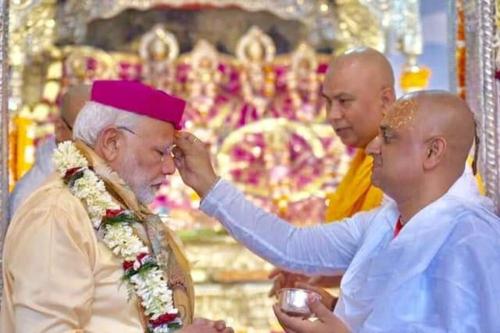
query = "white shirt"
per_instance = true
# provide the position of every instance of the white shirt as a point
(38, 173)
(438, 275)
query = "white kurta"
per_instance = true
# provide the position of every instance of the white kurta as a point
(35, 177)
(438, 275)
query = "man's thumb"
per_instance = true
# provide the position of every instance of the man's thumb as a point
(316, 307)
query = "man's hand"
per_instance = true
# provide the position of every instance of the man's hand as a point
(327, 322)
(325, 281)
(192, 159)
(200, 325)
(327, 299)
(284, 279)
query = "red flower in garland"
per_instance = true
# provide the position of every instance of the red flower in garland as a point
(127, 265)
(163, 319)
(71, 172)
(110, 213)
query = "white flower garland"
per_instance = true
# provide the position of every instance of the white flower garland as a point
(140, 267)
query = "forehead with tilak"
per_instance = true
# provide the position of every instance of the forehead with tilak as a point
(401, 114)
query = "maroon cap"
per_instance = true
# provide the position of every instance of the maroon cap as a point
(138, 98)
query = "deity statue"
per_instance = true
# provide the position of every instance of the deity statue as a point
(159, 49)
(203, 80)
(84, 64)
(255, 52)
(304, 84)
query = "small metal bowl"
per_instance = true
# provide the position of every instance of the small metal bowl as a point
(293, 301)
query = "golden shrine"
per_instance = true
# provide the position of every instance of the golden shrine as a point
(251, 71)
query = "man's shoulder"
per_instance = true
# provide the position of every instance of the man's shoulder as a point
(473, 225)
(51, 196)
(51, 212)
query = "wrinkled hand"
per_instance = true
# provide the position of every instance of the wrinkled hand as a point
(326, 321)
(199, 326)
(220, 326)
(192, 159)
(284, 279)
(202, 325)
(327, 299)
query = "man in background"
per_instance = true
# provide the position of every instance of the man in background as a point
(72, 101)
(358, 89)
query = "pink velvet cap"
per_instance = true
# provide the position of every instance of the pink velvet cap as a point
(138, 98)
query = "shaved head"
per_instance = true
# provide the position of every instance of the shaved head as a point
(359, 89)
(441, 113)
(73, 101)
(367, 60)
(425, 139)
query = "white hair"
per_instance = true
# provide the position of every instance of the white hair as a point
(95, 117)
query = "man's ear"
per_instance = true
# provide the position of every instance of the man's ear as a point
(109, 142)
(434, 153)
(388, 97)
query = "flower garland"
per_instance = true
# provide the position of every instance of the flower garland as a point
(141, 270)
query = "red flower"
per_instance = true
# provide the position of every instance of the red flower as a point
(141, 256)
(110, 213)
(127, 265)
(71, 172)
(163, 319)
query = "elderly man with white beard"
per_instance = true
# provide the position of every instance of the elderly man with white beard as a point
(84, 253)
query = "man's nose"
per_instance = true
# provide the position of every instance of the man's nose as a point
(168, 165)
(334, 112)
(373, 147)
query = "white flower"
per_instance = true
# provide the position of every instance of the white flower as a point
(67, 156)
(121, 240)
(154, 292)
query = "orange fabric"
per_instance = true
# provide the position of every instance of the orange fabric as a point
(479, 179)
(355, 192)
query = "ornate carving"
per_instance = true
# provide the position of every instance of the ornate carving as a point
(84, 64)
(255, 51)
(203, 79)
(158, 50)
(4, 118)
(32, 28)
(255, 47)
(348, 22)
(357, 26)
(401, 18)
(481, 88)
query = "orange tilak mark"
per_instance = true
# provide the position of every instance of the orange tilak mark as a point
(402, 113)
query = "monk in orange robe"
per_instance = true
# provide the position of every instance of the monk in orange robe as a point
(358, 90)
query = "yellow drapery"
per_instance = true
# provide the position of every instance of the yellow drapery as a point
(355, 192)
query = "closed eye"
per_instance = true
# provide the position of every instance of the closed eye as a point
(386, 134)
(344, 100)
(387, 138)
(327, 99)
(160, 152)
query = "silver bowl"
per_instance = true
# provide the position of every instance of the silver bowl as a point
(293, 301)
